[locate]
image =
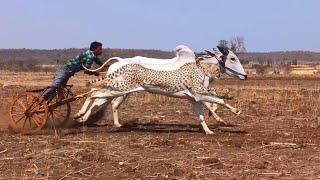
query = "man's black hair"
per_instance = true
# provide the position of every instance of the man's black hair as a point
(95, 45)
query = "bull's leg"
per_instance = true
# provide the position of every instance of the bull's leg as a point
(115, 106)
(98, 104)
(84, 108)
(198, 110)
(216, 100)
(232, 109)
(212, 107)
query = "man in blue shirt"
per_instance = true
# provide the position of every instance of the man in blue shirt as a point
(75, 65)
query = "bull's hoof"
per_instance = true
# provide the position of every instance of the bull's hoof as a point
(209, 132)
(226, 97)
(117, 125)
(77, 116)
(222, 123)
(80, 120)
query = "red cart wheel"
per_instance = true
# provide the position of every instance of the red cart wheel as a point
(59, 116)
(28, 113)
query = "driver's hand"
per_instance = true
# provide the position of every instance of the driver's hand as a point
(87, 72)
(96, 73)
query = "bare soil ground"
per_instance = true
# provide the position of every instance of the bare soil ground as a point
(277, 136)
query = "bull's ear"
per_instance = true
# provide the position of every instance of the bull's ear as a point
(223, 50)
(210, 53)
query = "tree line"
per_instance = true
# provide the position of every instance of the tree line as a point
(31, 59)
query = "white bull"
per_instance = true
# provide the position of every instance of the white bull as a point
(229, 64)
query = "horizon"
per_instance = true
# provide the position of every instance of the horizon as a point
(273, 26)
(152, 50)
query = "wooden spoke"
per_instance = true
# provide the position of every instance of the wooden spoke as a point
(27, 97)
(36, 121)
(24, 123)
(22, 105)
(51, 115)
(38, 118)
(57, 112)
(34, 105)
(18, 108)
(20, 118)
(18, 114)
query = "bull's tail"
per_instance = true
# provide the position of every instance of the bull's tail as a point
(90, 83)
(105, 63)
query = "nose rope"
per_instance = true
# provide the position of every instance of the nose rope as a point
(223, 66)
(235, 72)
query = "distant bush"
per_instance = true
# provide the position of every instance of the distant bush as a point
(260, 68)
(24, 66)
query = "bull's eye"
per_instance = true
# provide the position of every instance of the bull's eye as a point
(233, 59)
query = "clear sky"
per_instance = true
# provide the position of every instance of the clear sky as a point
(266, 25)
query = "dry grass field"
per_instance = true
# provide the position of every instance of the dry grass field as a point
(277, 136)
